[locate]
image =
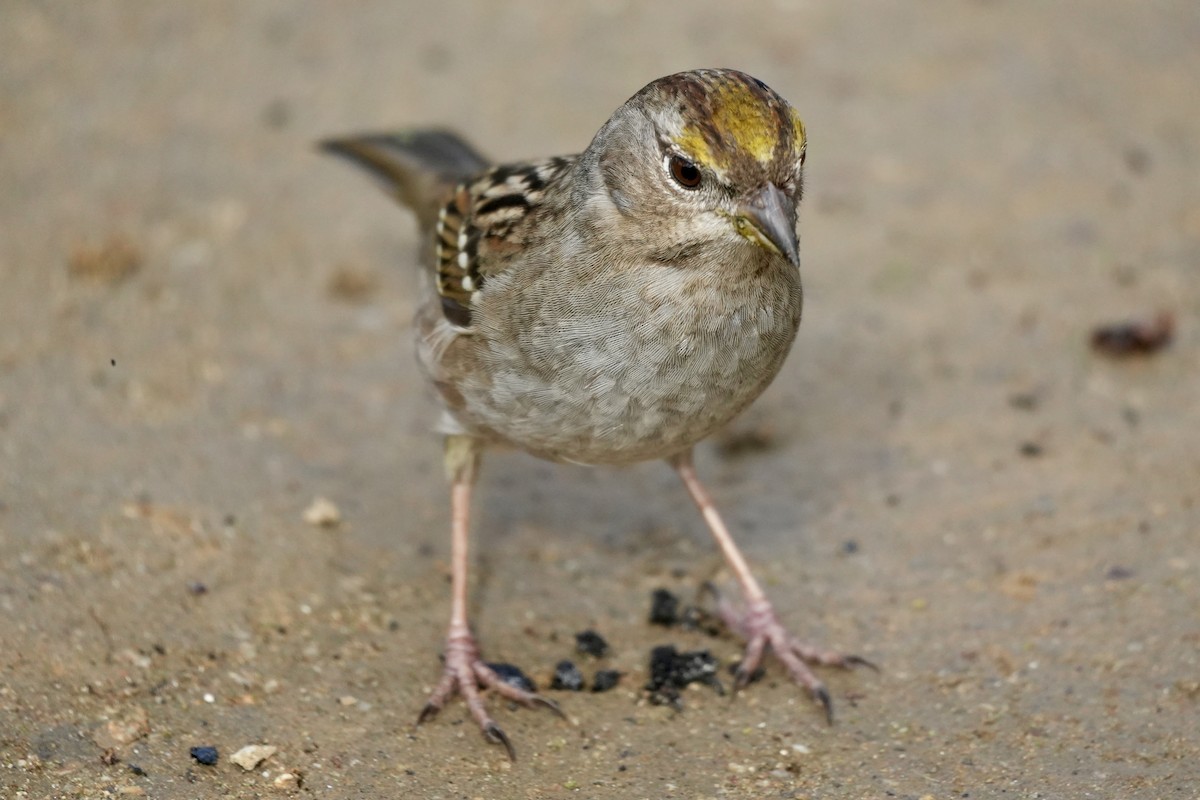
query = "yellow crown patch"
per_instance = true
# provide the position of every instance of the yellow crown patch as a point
(744, 118)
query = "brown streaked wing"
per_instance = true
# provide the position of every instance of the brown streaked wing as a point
(480, 229)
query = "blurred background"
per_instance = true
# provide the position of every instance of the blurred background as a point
(965, 472)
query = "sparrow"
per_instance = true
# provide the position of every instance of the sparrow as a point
(607, 308)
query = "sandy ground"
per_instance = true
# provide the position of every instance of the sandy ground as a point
(203, 328)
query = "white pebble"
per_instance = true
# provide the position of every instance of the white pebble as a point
(252, 755)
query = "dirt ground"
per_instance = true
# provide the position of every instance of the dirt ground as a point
(203, 328)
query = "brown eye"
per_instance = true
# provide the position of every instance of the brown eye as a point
(685, 173)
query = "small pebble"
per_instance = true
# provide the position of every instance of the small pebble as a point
(205, 755)
(605, 679)
(513, 676)
(287, 781)
(590, 643)
(252, 755)
(567, 677)
(322, 513)
(127, 726)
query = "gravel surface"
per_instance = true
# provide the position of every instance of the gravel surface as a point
(222, 517)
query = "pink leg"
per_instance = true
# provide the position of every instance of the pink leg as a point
(758, 625)
(464, 671)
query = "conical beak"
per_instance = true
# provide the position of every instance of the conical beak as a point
(768, 218)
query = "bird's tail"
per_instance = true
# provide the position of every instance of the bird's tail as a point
(415, 167)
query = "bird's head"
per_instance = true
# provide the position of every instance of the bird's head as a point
(710, 158)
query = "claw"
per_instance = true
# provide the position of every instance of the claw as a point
(427, 713)
(546, 702)
(465, 673)
(762, 631)
(859, 661)
(741, 678)
(821, 695)
(496, 735)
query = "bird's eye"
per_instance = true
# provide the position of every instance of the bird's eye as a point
(685, 173)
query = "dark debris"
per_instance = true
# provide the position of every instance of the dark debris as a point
(671, 670)
(1031, 449)
(590, 643)
(605, 679)
(666, 610)
(514, 676)
(1024, 401)
(1118, 573)
(754, 677)
(205, 755)
(1134, 337)
(747, 441)
(567, 677)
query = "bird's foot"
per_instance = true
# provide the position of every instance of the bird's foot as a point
(464, 673)
(759, 626)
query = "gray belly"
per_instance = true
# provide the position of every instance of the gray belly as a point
(604, 389)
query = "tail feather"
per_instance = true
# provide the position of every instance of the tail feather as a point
(415, 167)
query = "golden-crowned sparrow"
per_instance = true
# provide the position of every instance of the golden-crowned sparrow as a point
(609, 307)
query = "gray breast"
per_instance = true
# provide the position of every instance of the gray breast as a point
(617, 373)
